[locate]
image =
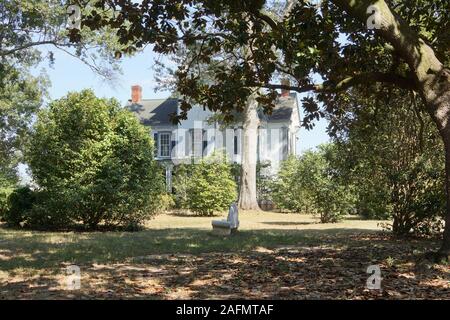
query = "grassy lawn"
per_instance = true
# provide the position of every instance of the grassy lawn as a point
(273, 256)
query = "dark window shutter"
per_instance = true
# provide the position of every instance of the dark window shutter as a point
(155, 138)
(205, 142)
(172, 149)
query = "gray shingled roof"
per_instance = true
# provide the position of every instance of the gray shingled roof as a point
(283, 108)
(156, 112)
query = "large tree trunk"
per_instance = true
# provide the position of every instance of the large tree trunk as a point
(247, 193)
(445, 248)
(436, 94)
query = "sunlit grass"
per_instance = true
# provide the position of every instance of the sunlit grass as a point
(167, 233)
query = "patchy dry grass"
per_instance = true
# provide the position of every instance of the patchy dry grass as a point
(273, 256)
(260, 220)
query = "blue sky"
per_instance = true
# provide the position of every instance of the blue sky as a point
(69, 74)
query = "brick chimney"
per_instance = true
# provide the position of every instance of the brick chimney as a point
(285, 92)
(136, 94)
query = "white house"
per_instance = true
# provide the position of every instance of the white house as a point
(197, 137)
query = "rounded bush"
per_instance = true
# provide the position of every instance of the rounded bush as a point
(93, 162)
(211, 187)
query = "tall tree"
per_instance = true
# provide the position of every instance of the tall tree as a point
(30, 32)
(21, 95)
(247, 192)
(405, 46)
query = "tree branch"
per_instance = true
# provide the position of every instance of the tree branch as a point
(396, 31)
(348, 82)
(266, 19)
(26, 46)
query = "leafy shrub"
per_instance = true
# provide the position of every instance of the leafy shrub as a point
(310, 184)
(394, 157)
(333, 201)
(49, 213)
(287, 193)
(4, 194)
(419, 199)
(264, 181)
(211, 187)
(30, 208)
(373, 198)
(180, 182)
(94, 164)
(19, 205)
(166, 202)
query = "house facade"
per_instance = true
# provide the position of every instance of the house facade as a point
(197, 136)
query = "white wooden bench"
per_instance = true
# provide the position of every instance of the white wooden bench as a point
(229, 226)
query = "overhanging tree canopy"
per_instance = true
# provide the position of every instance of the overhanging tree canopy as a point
(331, 42)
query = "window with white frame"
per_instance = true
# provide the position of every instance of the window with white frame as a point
(164, 144)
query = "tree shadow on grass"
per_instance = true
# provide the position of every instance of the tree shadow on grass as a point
(33, 288)
(39, 249)
(36, 250)
(192, 263)
(296, 272)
